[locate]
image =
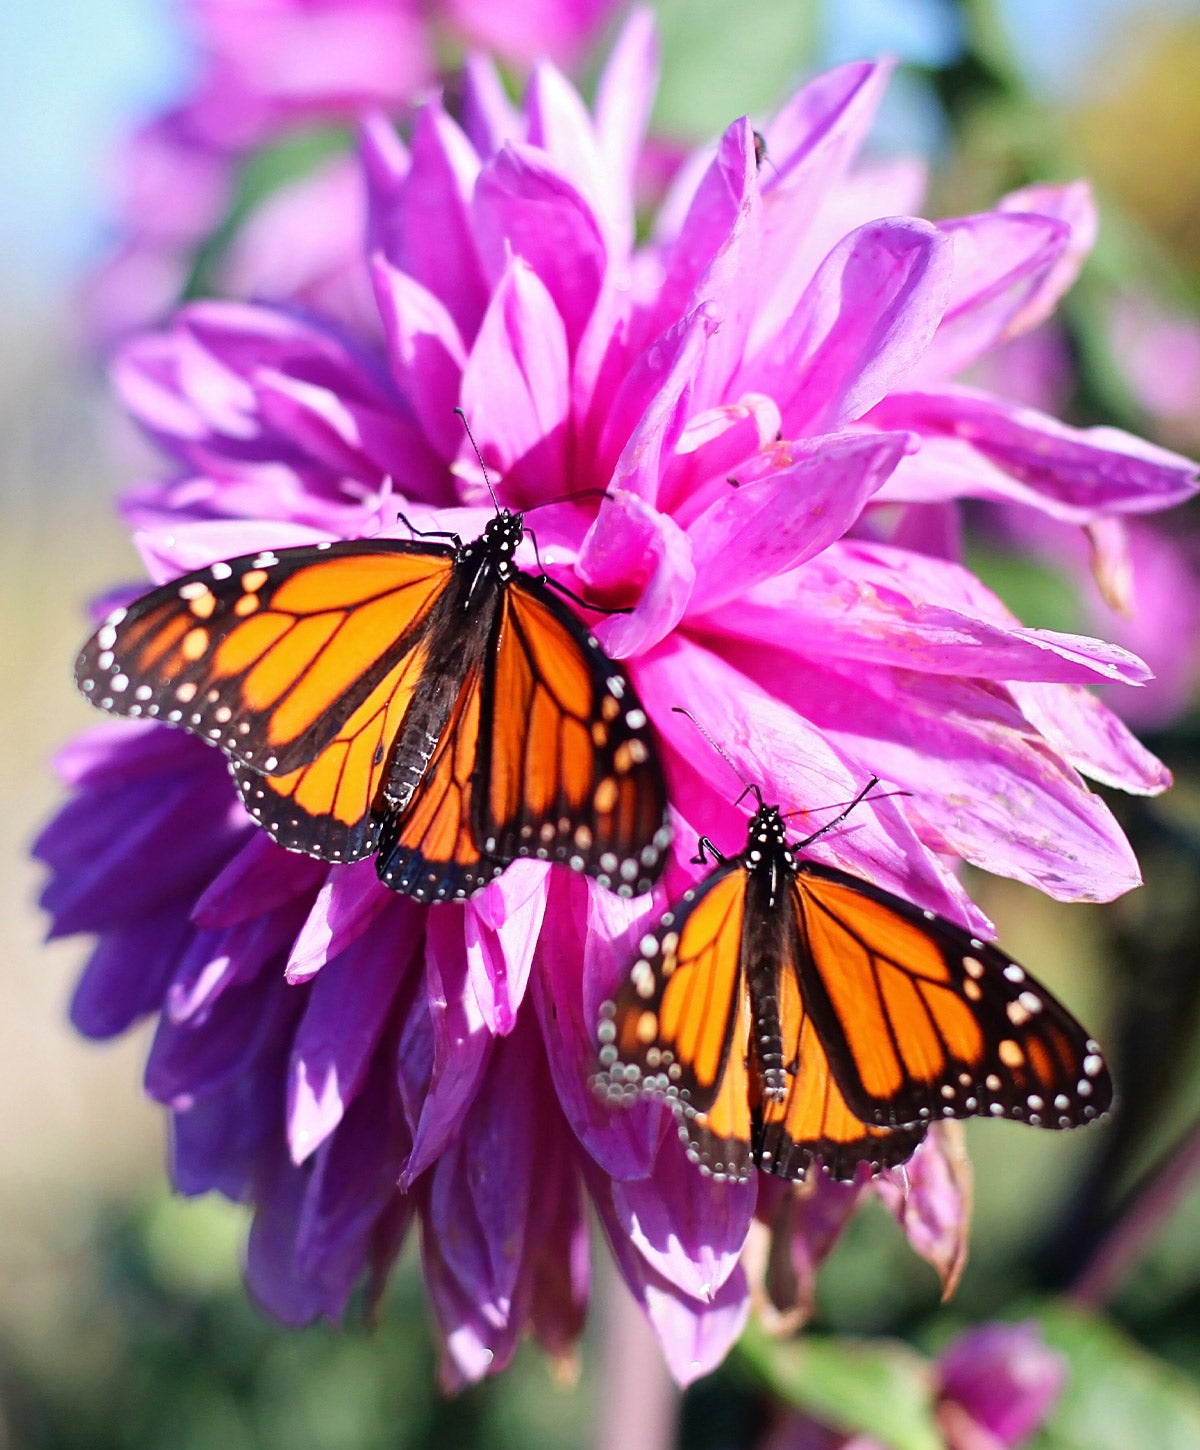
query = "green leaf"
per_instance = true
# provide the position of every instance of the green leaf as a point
(873, 1387)
(1117, 1395)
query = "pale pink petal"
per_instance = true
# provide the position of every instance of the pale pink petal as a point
(1096, 741)
(766, 526)
(1073, 204)
(501, 931)
(859, 329)
(624, 97)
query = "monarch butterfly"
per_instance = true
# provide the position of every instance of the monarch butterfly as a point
(790, 1012)
(425, 701)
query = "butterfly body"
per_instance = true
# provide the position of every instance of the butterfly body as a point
(422, 700)
(791, 1013)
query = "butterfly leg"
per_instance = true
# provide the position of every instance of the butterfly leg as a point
(429, 533)
(704, 844)
(544, 578)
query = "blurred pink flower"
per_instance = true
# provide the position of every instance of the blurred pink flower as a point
(761, 392)
(269, 71)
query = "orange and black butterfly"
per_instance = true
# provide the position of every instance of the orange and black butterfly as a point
(790, 1012)
(425, 701)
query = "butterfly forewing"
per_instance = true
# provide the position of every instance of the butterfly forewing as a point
(269, 655)
(568, 766)
(921, 1020)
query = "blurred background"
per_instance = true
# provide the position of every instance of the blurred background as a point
(122, 1318)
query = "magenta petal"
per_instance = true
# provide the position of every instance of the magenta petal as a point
(260, 877)
(1005, 1377)
(488, 116)
(1074, 205)
(514, 388)
(525, 208)
(769, 525)
(426, 352)
(860, 328)
(560, 125)
(346, 1013)
(428, 232)
(632, 544)
(645, 416)
(501, 932)
(977, 446)
(1001, 261)
(348, 902)
(624, 98)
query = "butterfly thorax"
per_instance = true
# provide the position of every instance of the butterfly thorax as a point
(770, 870)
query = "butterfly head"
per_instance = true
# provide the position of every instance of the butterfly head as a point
(766, 838)
(498, 543)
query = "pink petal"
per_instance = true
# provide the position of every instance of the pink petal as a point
(632, 545)
(1073, 204)
(624, 98)
(501, 931)
(1001, 261)
(930, 1198)
(886, 606)
(348, 902)
(977, 446)
(426, 352)
(860, 328)
(713, 443)
(524, 207)
(1096, 741)
(768, 525)
(794, 764)
(514, 388)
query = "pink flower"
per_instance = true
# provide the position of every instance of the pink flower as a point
(760, 392)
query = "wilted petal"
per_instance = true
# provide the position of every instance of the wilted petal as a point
(804, 1223)
(930, 1198)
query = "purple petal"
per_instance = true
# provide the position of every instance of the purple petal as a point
(346, 905)
(501, 932)
(274, 1278)
(768, 525)
(1074, 205)
(218, 960)
(689, 1228)
(128, 972)
(624, 98)
(860, 328)
(526, 208)
(348, 1010)
(426, 352)
(445, 1045)
(259, 878)
(514, 388)
(632, 545)
(489, 118)
(976, 446)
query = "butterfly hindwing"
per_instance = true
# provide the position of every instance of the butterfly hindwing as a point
(679, 1026)
(270, 655)
(921, 1020)
(567, 766)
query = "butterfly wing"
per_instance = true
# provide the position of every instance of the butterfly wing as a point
(679, 1027)
(568, 769)
(920, 1020)
(273, 656)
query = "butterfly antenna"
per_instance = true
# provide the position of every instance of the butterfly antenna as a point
(841, 816)
(467, 429)
(750, 786)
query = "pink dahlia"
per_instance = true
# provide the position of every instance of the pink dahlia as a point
(269, 74)
(759, 397)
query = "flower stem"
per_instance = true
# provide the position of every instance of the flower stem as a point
(637, 1400)
(1150, 1203)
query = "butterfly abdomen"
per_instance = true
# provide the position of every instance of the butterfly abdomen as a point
(763, 950)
